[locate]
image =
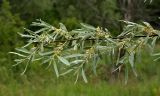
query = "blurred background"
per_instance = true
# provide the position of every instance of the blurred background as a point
(17, 14)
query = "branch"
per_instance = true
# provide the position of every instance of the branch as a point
(93, 39)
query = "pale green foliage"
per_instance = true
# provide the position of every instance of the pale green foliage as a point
(73, 51)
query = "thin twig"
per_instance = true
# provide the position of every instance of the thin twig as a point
(93, 39)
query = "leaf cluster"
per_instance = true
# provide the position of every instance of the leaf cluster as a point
(73, 51)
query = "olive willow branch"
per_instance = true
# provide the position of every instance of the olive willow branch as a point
(93, 39)
(73, 48)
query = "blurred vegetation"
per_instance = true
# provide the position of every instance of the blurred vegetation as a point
(16, 14)
(10, 24)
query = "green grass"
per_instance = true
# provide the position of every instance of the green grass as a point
(67, 88)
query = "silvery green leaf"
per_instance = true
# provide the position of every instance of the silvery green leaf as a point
(75, 47)
(111, 40)
(87, 35)
(26, 36)
(63, 27)
(157, 32)
(95, 60)
(84, 76)
(55, 36)
(106, 30)
(29, 43)
(40, 23)
(42, 47)
(37, 24)
(68, 71)
(128, 22)
(157, 54)
(44, 23)
(147, 24)
(28, 62)
(23, 50)
(46, 53)
(16, 64)
(50, 63)
(146, 40)
(63, 60)
(77, 61)
(154, 41)
(134, 72)
(77, 76)
(82, 45)
(86, 26)
(30, 32)
(41, 30)
(55, 68)
(18, 54)
(74, 42)
(37, 59)
(102, 47)
(47, 60)
(131, 59)
(74, 56)
(157, 59)
(18, 60)
(77, 31)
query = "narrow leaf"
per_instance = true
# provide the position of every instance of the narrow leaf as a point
(46, 53)
(156, 54)
(29, 61)
(45, 61)
(29, 43)
(84, 76)
(17, 54)
(157, 59)
(41, 30)
(95, 59)
(131, 59)
(63, 60)
(68, 71)
(55, 68)
(23, 50)
(26, 36)
(74, 56)
(63, 27)
(77, 61)
(154, 41)
(76, 78)
(87, 26)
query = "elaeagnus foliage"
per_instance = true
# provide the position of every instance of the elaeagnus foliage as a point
(70, 52)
